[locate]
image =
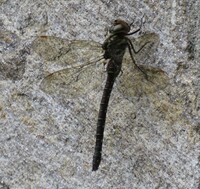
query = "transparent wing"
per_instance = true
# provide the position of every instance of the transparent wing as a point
(72, 82)
(80, 58)
(132, 81)
(66, 52)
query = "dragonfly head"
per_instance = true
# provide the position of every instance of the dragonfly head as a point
(119, 26)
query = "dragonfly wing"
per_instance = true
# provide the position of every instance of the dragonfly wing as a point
(49, 47)
(73, 82)
(132, 82)
(66, 52)
(149, 42)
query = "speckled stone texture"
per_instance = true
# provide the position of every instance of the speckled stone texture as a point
(48, 111)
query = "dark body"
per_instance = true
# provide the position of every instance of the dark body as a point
(115, 46)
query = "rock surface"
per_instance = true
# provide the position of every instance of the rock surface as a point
(48, 112)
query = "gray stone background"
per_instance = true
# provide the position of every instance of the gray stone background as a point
(47, 141)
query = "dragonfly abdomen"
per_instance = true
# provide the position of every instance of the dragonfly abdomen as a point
(113, 70)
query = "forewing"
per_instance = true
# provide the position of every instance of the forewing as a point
(149, 42)
(66, 52)
(132, 81)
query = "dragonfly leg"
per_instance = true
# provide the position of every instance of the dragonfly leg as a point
(130, 47)
(141, 24)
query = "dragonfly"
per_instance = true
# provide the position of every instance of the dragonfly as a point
(80, 70)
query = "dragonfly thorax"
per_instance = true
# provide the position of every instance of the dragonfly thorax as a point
(115, 47)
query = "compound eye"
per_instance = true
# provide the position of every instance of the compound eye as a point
(116, 22)
(117, 28)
